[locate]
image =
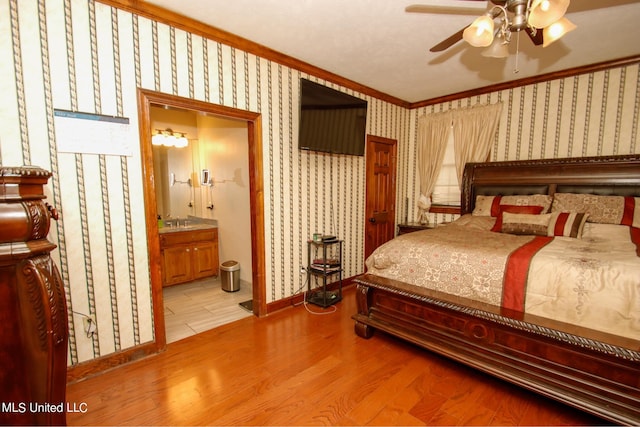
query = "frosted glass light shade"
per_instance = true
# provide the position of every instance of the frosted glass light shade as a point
(556, 30)
(480, 32)
(181, 142)
(159, 139)
(545, 12)
(497, 49)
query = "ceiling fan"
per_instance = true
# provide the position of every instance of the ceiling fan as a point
(542, 20)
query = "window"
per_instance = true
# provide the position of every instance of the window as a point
(447, 189)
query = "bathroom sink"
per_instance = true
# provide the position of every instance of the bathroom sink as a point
(188, 227)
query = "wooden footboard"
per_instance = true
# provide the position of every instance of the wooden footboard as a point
(590, 374)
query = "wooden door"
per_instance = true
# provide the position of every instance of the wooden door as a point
(380, 203)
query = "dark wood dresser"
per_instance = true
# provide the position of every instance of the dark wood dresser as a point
(33, 310)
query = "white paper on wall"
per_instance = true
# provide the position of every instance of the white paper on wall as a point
(90, 133)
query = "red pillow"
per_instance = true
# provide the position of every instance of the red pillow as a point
(535, 210)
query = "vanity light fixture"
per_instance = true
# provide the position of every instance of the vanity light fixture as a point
(169, 138)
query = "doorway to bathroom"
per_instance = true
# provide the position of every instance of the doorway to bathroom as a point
(226, 168)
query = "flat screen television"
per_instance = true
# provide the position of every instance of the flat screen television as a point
(331, 121)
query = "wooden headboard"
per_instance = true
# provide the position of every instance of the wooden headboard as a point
(607, 175)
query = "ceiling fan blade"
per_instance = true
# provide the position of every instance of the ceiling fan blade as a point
(448, 42)
(471, 7)
(535, 38)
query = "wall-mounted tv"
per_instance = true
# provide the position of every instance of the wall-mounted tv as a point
(331, 121)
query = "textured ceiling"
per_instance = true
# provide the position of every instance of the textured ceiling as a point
(377, 44)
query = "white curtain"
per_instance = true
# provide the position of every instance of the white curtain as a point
(473, 132)
(433, 131)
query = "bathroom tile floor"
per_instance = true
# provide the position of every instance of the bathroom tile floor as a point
(198, 306)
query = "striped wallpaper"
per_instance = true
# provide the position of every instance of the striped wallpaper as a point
(587, 115)
(85, 56)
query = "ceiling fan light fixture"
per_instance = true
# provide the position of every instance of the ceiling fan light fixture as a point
(556, 30)
(498, 49)
(480, 32)
(545, 12)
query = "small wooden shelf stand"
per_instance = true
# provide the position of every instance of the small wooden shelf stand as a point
(324, 270)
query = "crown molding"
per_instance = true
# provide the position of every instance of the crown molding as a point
(622, 62)
(193, 26)
(165, 16)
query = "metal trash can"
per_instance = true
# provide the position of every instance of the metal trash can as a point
(230, 272)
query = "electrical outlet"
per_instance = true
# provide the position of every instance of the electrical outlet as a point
(303, 270)
(90, 327)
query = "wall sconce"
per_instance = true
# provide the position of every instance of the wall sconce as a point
(169, 138)
(173, 181)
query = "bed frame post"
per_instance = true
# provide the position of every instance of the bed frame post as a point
(363, 302)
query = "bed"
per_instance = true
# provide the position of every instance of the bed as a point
(589, 360)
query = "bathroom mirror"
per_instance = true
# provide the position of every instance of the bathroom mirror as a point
(175, 188)
(208, 177)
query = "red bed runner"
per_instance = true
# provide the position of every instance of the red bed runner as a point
(635, 238)
(627, 219)
(517, 271)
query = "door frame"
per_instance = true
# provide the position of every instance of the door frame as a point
(371, 139)
(256, 189)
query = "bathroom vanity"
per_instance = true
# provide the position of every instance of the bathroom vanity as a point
(188, 253)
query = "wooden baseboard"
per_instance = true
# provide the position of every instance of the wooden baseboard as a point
(298, 298)
(103, 364)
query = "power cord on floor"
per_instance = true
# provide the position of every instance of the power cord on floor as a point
(319, 313)
(306, 304)
(303, 286)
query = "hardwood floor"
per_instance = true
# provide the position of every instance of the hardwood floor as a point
(296, 368)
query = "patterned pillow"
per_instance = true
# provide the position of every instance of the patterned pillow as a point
(601, 209)
(485, 205)
(529, 224)
(534, 210)
(567, 224)
(490, 205)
